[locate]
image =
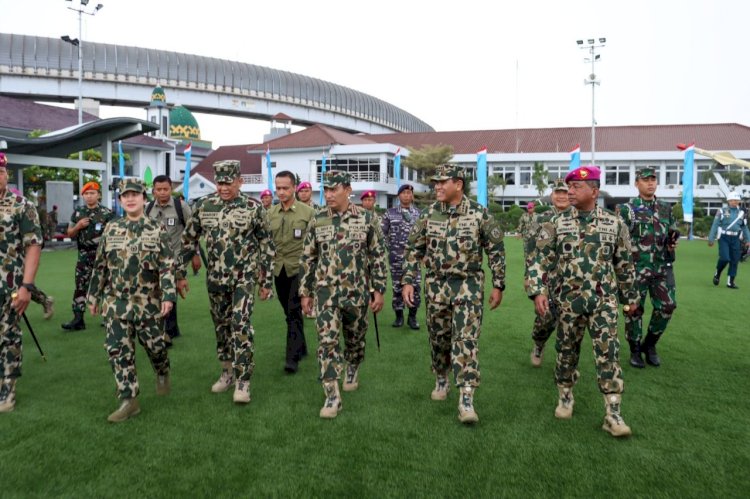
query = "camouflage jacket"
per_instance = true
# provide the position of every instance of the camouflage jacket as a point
(343, 257)
(649, 223)
(591, 257)
(397, 223)
(133, 271)
(527, 225)
(88, 237)
(19, 228)
(541, 219)
(239, 245)
(449, 240)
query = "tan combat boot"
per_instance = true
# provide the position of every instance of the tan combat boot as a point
(466, 412)
(351, 381)
(442, 387)
(537, 354)
(332, 405)
(7, 395)
(163, 384)
(564, 409)
(225, 380)
(613, 422)
(241, 392)
(128, 409)
(49, 309)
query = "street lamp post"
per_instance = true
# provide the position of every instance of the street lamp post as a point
(591, 44)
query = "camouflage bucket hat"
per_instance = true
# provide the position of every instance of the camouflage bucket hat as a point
(226, 171)
(132, 185)
(559, 185)
(646, 172)
(334, 178)
(445, 172)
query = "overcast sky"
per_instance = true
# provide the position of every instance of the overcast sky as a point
(459, 64)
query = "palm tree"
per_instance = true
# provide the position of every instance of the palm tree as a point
(495, 181)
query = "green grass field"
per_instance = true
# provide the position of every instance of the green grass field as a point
(689, 417)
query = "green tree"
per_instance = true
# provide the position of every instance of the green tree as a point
(497, 181)
(425, 161)
(540, 177)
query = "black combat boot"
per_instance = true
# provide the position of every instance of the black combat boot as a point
(76, 324)
(649, 347)
(635, 354)
(399, 319)
(731, 284)
(717, 276)
(412, 321)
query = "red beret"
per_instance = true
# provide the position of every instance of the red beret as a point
(304, 185)
(267, 192)
(367, 194)
(90, 185)
(3, 160)
(590, 172)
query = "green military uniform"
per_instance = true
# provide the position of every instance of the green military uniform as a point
(449, 241)
(343, 260)
(649, 224)
(87, 240)
(527, 228)
(133, 275)
(20, 229)
(238, 247)
(289, 227)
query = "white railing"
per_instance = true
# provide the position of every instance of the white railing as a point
(254, 178)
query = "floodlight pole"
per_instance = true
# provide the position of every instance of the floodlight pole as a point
(591, 45)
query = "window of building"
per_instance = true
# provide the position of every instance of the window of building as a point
(524, 177)
(617, 175)
(360, 169)
(557, 171)
(509, 172)
(674, 174)
(712, 207)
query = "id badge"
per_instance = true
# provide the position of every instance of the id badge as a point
(98, 227)
(170, 222)
(298, 233)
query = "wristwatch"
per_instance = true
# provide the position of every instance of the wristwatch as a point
(29, 286)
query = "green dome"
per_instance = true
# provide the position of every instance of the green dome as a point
(158, 97)
(182, 124)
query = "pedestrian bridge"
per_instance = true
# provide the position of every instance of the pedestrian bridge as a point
(42, 68)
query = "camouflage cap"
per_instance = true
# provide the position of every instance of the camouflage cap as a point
(646, 172)
(132, 185)
(335, 178)
(448, 171)
(226, 171)
(558, 185)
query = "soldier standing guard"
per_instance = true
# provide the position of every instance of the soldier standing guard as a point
(653, 235)
(20, 248)
(87, 226)
(133, 287)
(544, 325)
(343, 249)
(730, 227)
(238, 247)
(589, 250)
(397, 223)
(449, 237)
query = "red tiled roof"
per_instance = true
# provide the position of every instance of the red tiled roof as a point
(282, 117)
(315, 136)
(249, 163)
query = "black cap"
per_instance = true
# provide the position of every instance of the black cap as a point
(405, 187)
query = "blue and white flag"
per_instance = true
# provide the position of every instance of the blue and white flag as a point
(121, 158)
(482, 177)
(322, 173)
(268, 167)
(575, 157)
(186, 180)
(687, 183)
(397, 167)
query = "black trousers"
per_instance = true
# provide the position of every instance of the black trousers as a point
(287, 289)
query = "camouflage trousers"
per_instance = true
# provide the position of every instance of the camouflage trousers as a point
(11, 350)
(84, 266)
(332, 321)
(602, 326)
(663, 301)
(397, 272)
(120, 345)
(544, 326)
(39, 296)
(454, 338)
(231, 312)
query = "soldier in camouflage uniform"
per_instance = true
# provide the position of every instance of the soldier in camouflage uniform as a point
(544, 325)
(527, 228)
(20, 248)
(449, 237)
(343, 250)
(134, 289)
(239, 247)
(588, 249)
(652, 226)
(397, 223)
(87, 227)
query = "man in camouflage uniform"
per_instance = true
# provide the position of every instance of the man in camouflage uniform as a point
(20, 248)
(238, 247)
(544, 325)
(397, 223)
(527, 228)
(730, 228)
(449, 237)
(588, 249)
(343, 267)
(652, 233)
(87, 227)
(134, 289)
